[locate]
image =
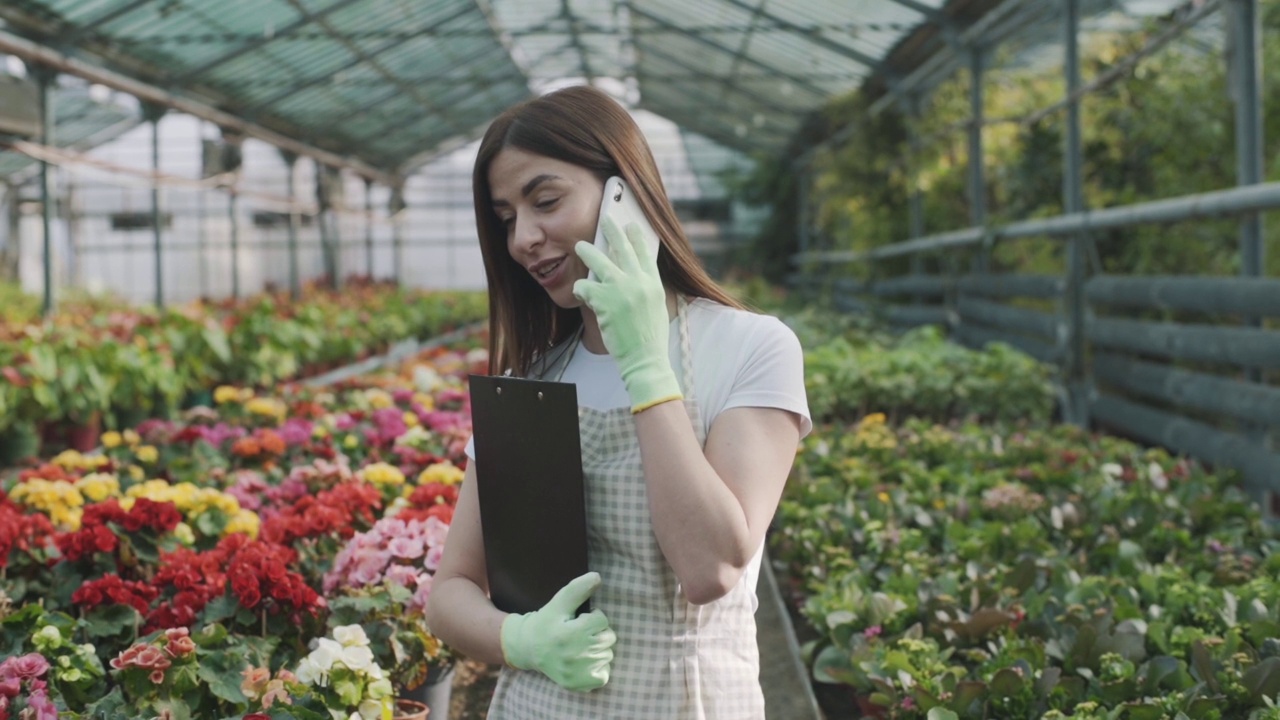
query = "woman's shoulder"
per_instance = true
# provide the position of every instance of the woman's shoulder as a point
(737, 325)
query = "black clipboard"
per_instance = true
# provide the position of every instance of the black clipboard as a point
(532, 499)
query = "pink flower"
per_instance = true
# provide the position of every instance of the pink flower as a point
(10, 687)
(39, 701)
(403, 547)
(402, 575)
(422, 594)
(26, 667)
(180, 642)
(433, 558)
(873, 631)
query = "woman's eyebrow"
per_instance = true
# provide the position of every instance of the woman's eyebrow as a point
(528, 188)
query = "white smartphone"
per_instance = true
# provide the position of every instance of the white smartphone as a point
(620, 204)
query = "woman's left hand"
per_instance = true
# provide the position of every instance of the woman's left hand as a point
(630, 302)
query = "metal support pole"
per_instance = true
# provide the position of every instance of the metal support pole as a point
(1245, 72)
(234, 216)
(200, 243)
(916, 198)
(152, 113)
(977, 181)
(48, 80)
(396, 207)
(1075, 375)
(291, 163)
(1246, 75)
(368, 227)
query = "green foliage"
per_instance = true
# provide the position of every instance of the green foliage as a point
(1164, 129)
(922, 374)
(1000, 571)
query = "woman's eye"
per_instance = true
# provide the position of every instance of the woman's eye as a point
(547, 204)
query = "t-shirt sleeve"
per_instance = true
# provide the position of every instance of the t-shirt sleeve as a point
(772, 373)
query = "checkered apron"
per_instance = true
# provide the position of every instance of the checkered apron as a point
(673, 660)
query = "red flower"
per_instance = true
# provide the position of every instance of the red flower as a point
(110, 589)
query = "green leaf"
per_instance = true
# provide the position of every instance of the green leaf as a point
(220, 608)
(1202, 662)
(221, 671)
(108, 620)
(833, 665)
(1263, 680)
(1006, 683)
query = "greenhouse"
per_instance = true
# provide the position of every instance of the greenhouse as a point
(812, 359)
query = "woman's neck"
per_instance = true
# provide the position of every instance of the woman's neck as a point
(593, 340)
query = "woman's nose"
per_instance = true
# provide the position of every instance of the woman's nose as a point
(526, 235)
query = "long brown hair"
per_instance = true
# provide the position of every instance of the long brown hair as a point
(586, 127)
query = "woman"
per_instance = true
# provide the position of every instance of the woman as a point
(692, 408)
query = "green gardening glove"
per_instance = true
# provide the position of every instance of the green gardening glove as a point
(575, 652)
(631, 305)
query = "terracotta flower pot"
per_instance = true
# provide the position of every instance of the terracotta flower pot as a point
(410, 710)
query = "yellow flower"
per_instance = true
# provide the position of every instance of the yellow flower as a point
(425, 400)
(127, 503)
(56, 499)
(131, 437)
(443, 472)
(226, 394)
(71, 518)
(319, 432)
(267, 407)
(147, 454)
(243, 521)
(98, 486)
(111, 440)
(873, 419)
(351, 442)
(883, 497)
(382, 474)
(69, 460)
(939, 504)
(136, 472)
(410, 419)
(379, 399)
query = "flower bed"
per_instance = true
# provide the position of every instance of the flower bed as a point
(117, 367)
(270, 550)
(982, 571)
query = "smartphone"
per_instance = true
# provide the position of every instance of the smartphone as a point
(620, 204)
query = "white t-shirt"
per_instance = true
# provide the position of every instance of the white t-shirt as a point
(740, 359)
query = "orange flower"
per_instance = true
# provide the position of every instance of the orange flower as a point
(272, 443)
(246, 447)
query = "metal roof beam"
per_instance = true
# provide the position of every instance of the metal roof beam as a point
(318, 79)
(43, 55)
(823, 42)
(949, 29)
(797, 79)
(303, 20)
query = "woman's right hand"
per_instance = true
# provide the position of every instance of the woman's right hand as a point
(575, 652)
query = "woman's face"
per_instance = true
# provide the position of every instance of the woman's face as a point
(547, 206)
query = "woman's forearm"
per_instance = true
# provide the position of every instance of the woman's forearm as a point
(461, 615)
(699, 523)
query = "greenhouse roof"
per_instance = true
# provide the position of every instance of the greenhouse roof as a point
(85, 117)
(387, 84)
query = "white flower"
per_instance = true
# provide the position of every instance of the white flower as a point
(326, 652)
(351, 635)
(309, 673)
(357, 658)
(369, 710)
(1158, 478)
(1112, 470)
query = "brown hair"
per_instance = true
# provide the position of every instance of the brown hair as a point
(588, 128)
